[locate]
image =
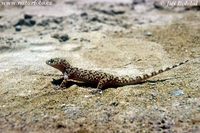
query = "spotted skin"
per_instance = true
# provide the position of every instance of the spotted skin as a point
(101, 79)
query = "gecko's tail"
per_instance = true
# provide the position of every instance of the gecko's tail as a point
(154, 73)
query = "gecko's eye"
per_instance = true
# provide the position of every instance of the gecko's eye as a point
(51, 61)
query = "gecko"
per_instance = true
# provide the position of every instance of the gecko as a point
(100, 79)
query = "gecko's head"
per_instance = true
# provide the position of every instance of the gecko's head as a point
(58, 63)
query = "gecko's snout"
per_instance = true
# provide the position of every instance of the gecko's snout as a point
(55, 61)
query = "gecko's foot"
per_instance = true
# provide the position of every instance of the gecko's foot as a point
(97, 91)
(58, 87)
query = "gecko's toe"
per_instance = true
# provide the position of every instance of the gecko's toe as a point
(97, 91)
(58, 87)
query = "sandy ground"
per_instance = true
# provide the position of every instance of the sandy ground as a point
(115, 37)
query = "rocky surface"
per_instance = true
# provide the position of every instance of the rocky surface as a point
(122, 38)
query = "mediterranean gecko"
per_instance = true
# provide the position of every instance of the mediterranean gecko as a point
(101, 79)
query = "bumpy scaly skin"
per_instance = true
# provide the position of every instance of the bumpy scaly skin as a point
(101, 79)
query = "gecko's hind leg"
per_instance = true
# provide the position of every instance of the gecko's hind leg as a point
(101, 86)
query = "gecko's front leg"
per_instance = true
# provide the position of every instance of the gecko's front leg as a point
(65, 80)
